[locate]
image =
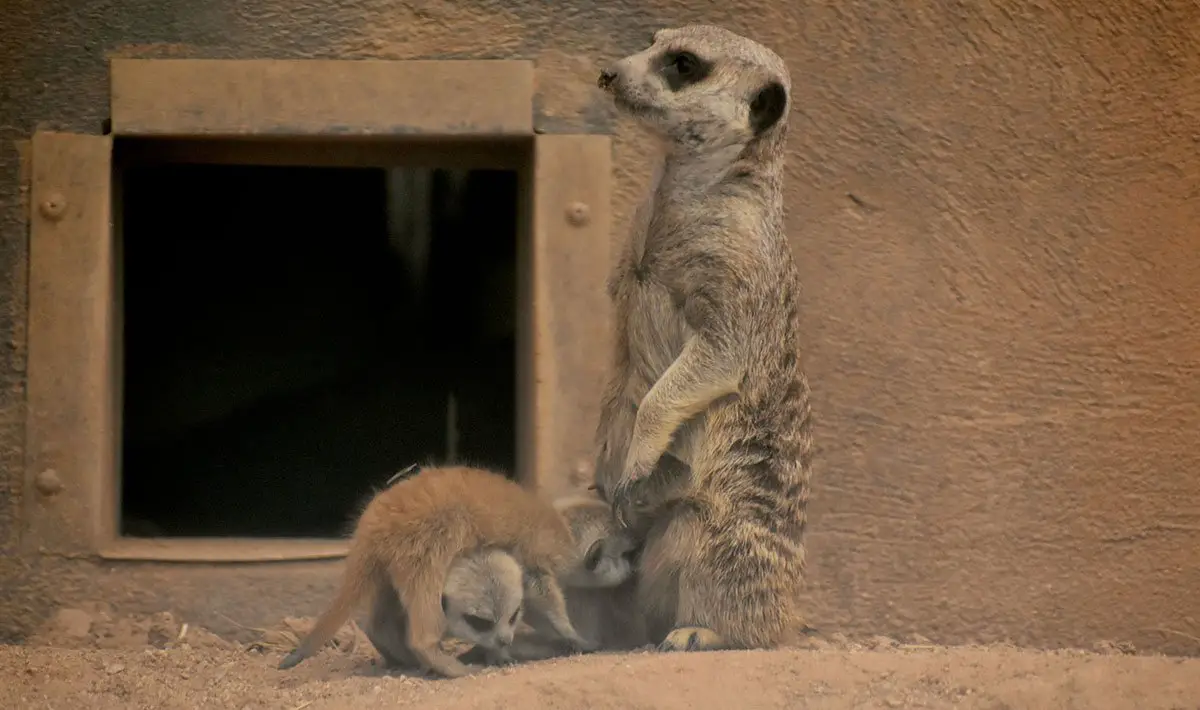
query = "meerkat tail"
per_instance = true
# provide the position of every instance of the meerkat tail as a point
(356, 583)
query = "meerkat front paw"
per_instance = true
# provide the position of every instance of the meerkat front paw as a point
(579, 644)
(449, 667)
(691, 638)
(474, 656)
(480, 656)
(499, 657)
(627, 501)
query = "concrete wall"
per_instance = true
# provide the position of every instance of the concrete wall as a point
(995, 206)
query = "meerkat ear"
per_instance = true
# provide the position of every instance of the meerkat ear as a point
(592, 558)
(767, 107)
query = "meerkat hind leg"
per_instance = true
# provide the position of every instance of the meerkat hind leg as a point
(426, 626)
(546, 604)
(387, 629)
(726, 583)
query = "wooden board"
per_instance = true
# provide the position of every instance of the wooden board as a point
(570, 313)
(70, 496)
(268, 97)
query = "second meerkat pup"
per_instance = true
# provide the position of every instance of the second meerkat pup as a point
(600, 597)
(706, 359)
(598, 587)
(409, 535)
(604, 554)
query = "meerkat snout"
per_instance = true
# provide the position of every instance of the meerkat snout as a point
(607, 77)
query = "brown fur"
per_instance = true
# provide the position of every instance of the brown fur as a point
(706, 365)
(410, 534)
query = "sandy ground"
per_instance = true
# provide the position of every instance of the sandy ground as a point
(86, 658)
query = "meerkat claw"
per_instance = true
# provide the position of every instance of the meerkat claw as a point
(585, 645)
(499, 657)
(691, 638)
(628, 503)
(619, 499)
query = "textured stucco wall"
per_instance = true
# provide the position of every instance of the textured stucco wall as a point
(995, 205)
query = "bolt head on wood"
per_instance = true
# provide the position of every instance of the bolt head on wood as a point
(578, 213)
(54, 206)
(581, 473)
(48, 483)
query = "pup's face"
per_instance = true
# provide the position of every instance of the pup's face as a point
(484, 600)
(604, 556)
(701, 86)
(607, 562)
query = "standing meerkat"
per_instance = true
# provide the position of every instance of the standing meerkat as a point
(409, 535)
(706, 360)
(482, 601)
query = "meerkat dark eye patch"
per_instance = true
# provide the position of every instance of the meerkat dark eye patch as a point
(592, 558)
(681, 69)
(445, 604)
(478, 623)
(767, 107)
(515, 616)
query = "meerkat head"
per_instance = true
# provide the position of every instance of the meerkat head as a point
(701, 87)
(605, 557)
(483, 598)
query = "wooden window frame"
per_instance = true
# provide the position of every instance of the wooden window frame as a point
(468, 114)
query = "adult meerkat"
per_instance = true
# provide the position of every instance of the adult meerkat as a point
(408, 537)
(482, 601)
(706, 366)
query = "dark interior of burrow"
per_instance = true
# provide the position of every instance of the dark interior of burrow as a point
(293, 336)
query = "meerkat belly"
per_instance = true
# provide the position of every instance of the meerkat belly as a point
(657, 333)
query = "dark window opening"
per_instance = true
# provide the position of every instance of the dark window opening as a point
(294, 336)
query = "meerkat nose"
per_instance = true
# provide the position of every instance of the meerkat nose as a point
(607, 77)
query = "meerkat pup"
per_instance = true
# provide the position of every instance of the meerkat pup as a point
(597, 586)
(604, 554)
(482, 602)
(409, 535)
(706, 367)
(600, 596)
(600, 589)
